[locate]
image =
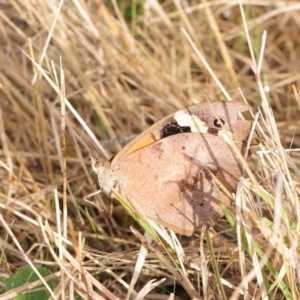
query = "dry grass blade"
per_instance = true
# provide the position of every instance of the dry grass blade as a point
(123, 65)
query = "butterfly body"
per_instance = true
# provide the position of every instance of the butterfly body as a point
(169, 173)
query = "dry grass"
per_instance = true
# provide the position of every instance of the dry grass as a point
(126, 65)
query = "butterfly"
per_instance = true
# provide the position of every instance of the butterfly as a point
(171, 172)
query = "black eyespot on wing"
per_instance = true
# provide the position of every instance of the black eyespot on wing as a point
(217, 123)
(172, 128)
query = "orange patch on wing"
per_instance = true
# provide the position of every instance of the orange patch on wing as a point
(141, 141)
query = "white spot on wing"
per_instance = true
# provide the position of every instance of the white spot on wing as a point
(185, 119)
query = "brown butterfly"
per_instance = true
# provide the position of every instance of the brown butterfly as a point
(168, 172)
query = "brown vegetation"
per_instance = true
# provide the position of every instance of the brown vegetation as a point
(123, 66)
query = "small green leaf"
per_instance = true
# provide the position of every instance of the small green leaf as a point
(25, 275)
